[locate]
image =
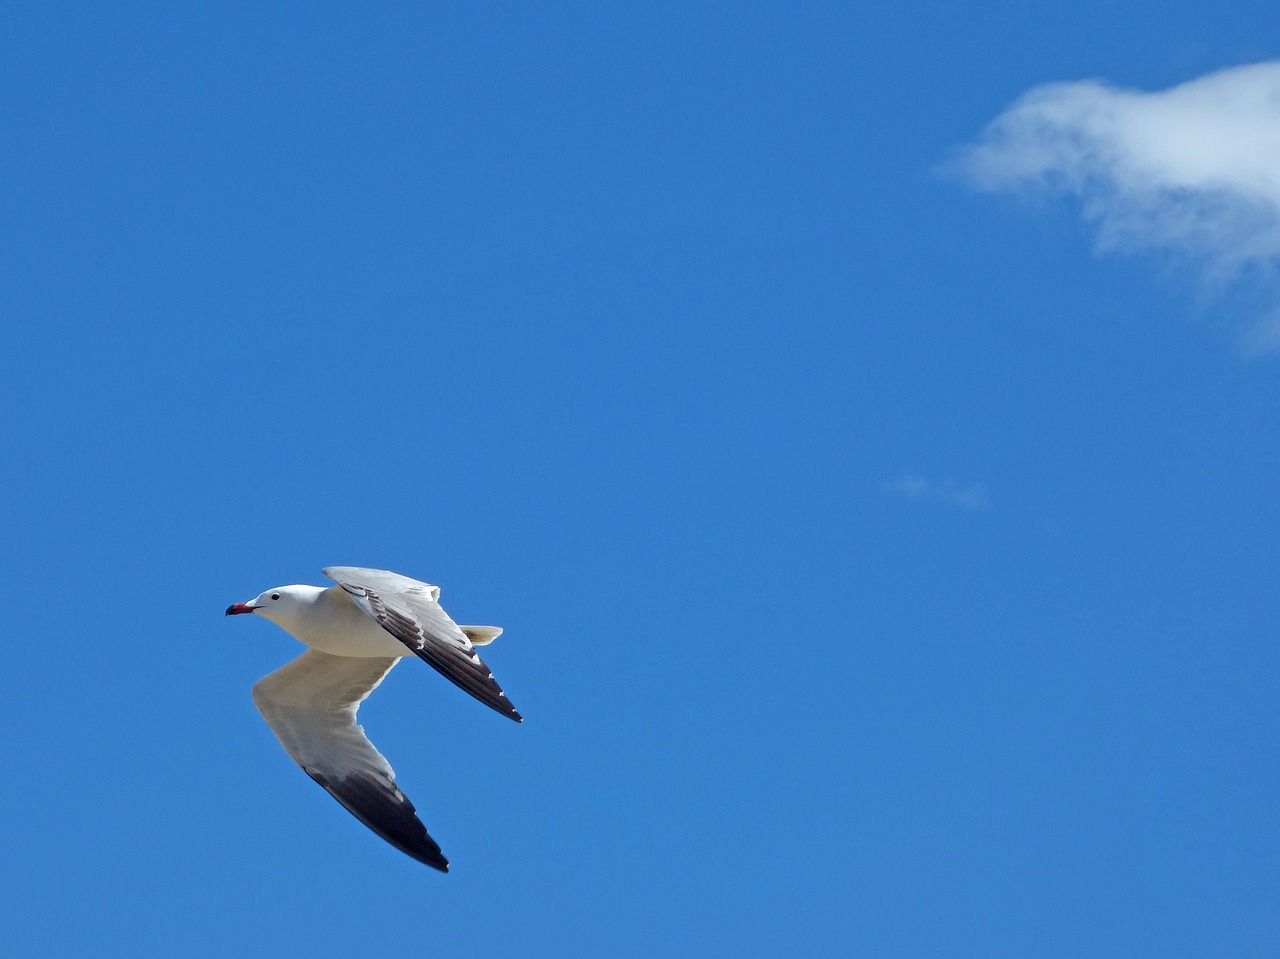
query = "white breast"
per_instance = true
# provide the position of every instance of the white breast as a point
(336, 625)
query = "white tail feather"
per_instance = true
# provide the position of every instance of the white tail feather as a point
(481, 635)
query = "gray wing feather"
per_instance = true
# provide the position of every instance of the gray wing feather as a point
(407, 609)
(310, 704)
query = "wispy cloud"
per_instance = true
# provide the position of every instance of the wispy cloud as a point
(914, 487)
(1194, 169)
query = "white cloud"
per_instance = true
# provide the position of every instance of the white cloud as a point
(913, 487)
(1194, 169)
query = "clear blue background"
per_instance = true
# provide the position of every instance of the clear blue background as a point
(619, 322)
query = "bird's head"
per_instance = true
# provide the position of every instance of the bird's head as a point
(280, 605)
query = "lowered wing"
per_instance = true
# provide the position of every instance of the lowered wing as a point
(310, 704)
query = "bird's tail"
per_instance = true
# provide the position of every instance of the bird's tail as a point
(481, 635)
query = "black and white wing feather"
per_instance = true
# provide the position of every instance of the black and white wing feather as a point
(407, 609)
(310, 704)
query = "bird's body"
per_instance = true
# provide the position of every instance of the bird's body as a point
(356, 632)
(330, 621)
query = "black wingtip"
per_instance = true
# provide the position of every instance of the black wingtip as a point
(387, 811)
(439, 863)
(427, 853)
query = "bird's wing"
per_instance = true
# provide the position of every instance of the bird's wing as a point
(407, 609)
(310, 704)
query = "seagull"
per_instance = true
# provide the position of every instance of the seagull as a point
(354, 633)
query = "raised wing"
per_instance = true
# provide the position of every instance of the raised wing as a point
(407, 609)
(310, 704)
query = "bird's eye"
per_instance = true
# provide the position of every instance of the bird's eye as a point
(275, 595)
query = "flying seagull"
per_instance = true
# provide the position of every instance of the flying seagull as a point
(354, 633)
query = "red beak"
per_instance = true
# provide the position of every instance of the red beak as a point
(235, 609)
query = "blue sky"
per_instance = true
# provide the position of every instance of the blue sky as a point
(869, 450)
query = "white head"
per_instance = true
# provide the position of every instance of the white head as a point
(282, 605)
